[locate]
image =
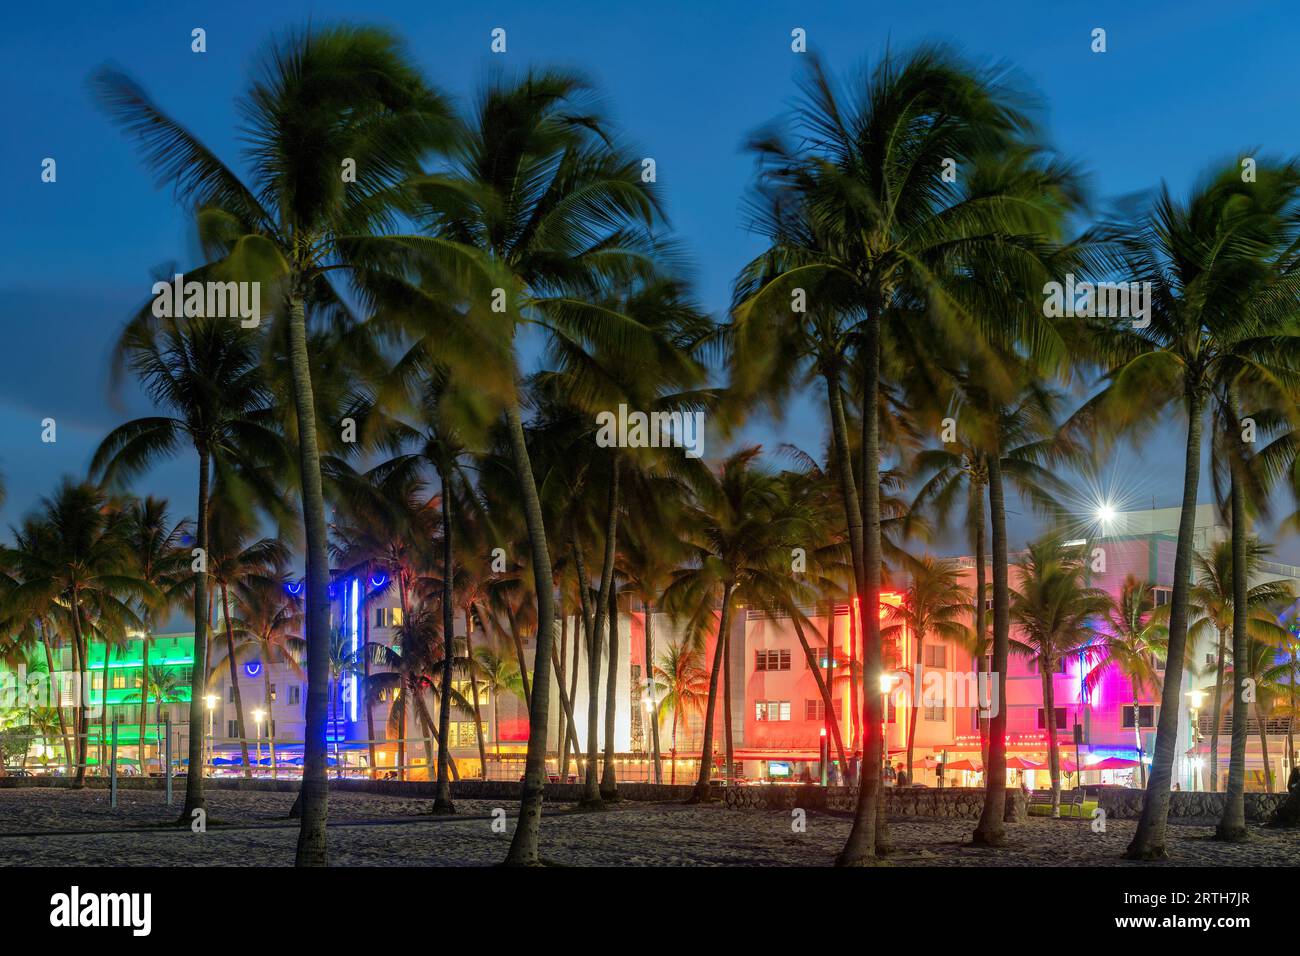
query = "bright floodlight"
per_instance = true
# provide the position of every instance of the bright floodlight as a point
(1106, 513)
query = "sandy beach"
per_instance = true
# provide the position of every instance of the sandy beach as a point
(70, 828)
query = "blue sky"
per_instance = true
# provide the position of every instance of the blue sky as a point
(1182, 84)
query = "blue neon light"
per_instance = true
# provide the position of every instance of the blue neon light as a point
(353, 704)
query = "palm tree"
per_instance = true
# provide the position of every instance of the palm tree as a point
(1211, 600)
(83, 564)
(934, 604)
(684, 682)
(540, 255)
(269, 620)
(857, 230)
(163, 563)
(1055, 613)
(205, 373)
(232, 559)
(1218, 266)
(325, 93)
(1133, 644)
(500, 675)
(741, 528)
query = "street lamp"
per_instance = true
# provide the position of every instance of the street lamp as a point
(257, 727)
(211, 701)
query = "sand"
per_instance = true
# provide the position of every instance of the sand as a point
(249, 829)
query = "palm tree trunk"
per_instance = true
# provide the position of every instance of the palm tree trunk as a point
(80, 706)
(855, 713)
(442, 801)
(1137, 738)
(1149, 840)
(365, 667)
(729, 749)
(568, 736)
(58, 696)
(315, 788)
(672, 773)
(144, 696)
(650, 689)
(1263, 747)
(609, 777)
(1049, 722)
(234, 680)
(401, 733)
(513, 621)
(103, 711)
(523, 847)
(981, 616)
(1232, 825)
(710, 711)
(573, 687)
(194, 797)
(822, 687)
(562, 761)
(473, 691)
(861, 846)
(991, 830)
(1218, 712)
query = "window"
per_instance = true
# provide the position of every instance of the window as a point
(232, 728)
(815, 709)
(1060, 719)
(935, 655)
(1147, 713)
(1162, 596)
(388, 617)
(119, 680)
(295, 693)
(772, 660)
(770, 710)
(934, 710)
(231, 694)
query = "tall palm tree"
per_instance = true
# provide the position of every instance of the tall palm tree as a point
(1218, 266)
(1133, 644)
(934, 605)
(205, 374)
(537, 253)
(863, 235)
(323, 94)
(500, 675)
(1055, 613)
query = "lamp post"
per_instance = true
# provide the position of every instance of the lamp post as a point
(257, 726)
(211, 701)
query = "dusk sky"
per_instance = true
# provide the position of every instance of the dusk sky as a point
(1182, 85)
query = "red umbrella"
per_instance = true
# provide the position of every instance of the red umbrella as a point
(1112, 763)
(1020, 763)
(961, 765)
